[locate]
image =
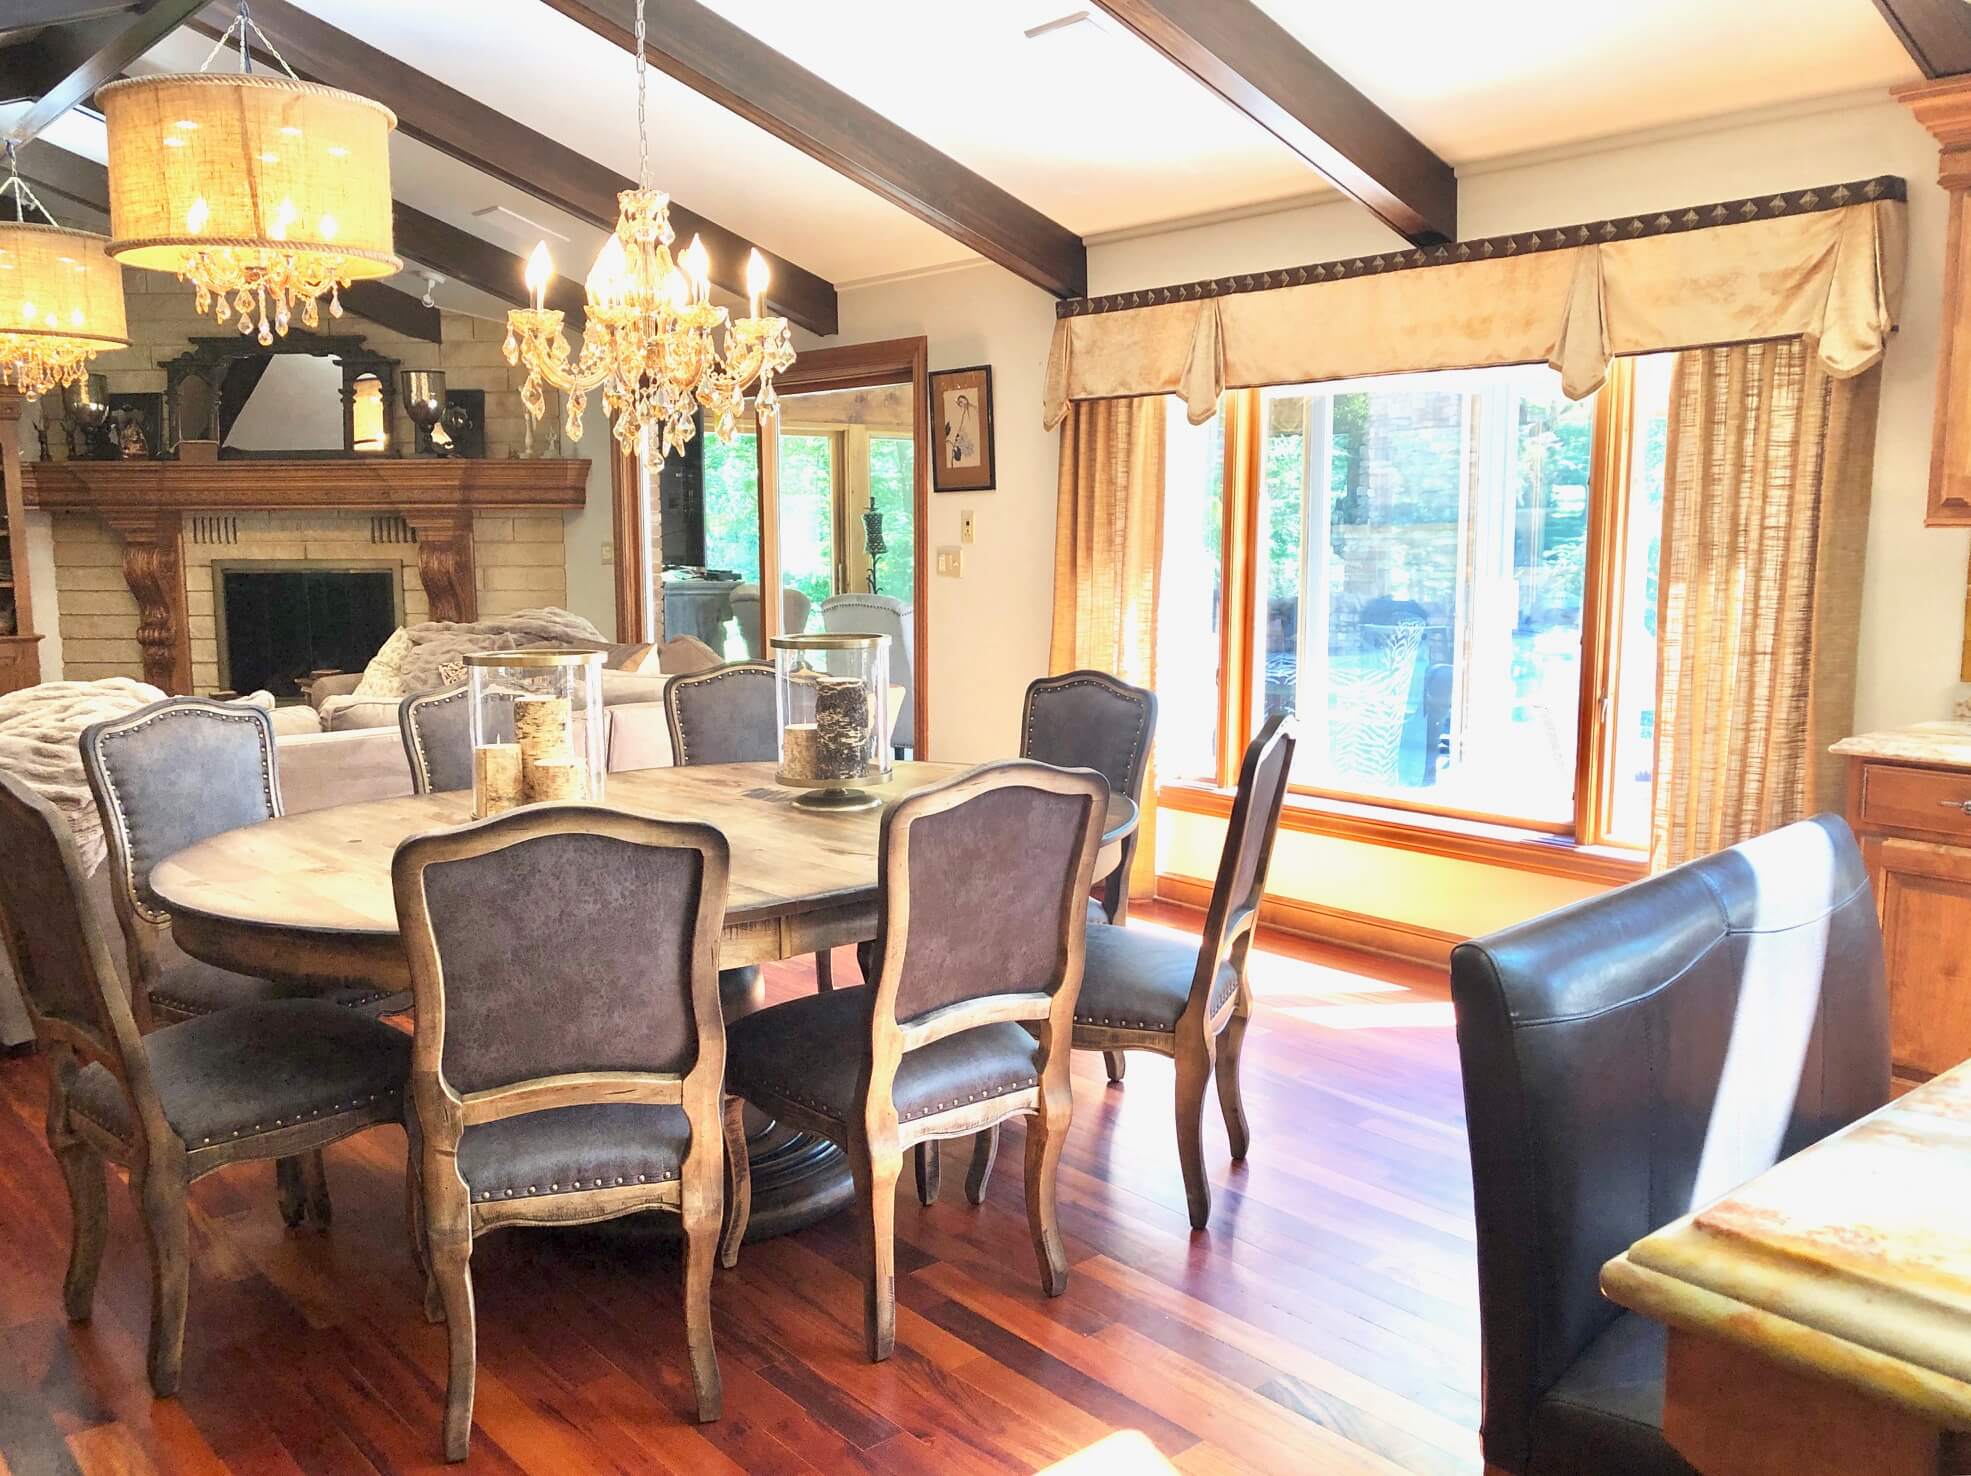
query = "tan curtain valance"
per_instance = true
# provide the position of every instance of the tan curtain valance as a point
(1790, 266)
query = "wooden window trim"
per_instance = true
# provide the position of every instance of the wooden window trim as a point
(1575, 848)
(1437, 834)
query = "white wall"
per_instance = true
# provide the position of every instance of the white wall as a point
(989, 631)
(588, 533)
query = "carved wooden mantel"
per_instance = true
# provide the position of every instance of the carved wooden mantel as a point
(145, 503)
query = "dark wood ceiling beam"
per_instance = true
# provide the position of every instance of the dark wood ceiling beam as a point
(1257, 66)
(710, 55)
(71, 185)
(489, 141)
(463, 257)
(1936, 33)
(21, 16)
(152, 22)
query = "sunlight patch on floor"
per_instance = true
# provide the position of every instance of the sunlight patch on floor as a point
(1124, 1453)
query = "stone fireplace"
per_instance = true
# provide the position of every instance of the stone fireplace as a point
(139, 546)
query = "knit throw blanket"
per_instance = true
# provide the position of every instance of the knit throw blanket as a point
(416, 658)
(39, 727)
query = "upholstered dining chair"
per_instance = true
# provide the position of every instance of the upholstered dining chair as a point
(876, 614)
(1151, 991)
(166, 777)
(569, 1049)
(1091, 720)
(979, 934)
(1625, 1061)
(437, 733)
(264, 1079)
(727, 716)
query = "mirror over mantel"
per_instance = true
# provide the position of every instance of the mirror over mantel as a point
(305, 395)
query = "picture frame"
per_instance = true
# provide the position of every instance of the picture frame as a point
(961, 424)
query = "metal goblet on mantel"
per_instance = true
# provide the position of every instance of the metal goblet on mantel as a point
(832, 697)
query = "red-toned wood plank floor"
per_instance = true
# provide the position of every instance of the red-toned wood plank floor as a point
(1326, 1323)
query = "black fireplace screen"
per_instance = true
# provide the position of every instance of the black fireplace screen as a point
(281, 625)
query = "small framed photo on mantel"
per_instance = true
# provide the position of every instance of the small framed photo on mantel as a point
(961, 413)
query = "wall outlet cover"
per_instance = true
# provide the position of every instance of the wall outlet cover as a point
(968, 531)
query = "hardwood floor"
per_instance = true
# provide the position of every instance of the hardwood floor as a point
(1326, 1323)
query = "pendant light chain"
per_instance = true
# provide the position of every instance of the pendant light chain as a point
(642, 109)
(242, 24)
(23, 196)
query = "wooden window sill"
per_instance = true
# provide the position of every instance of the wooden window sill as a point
(1435, 835)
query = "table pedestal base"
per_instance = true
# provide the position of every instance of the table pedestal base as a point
(798, 1178)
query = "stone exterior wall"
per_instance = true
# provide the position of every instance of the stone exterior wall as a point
(520, 561)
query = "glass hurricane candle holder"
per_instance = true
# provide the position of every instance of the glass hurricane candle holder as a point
(537, 728)
(832, 698)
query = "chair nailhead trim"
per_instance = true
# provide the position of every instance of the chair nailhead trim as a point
(485, 1194)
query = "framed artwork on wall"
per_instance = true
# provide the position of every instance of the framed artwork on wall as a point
(961, 418)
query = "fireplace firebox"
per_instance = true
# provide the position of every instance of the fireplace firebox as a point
(280, 621)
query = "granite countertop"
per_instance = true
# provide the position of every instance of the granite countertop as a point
(1851, 1259)
(1920, 743)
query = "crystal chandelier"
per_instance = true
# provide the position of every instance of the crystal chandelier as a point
(263, 191)
(61, 297)
(649, 339)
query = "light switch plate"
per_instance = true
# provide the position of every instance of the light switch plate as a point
(967, 530)
(608, 554)
(951, 561)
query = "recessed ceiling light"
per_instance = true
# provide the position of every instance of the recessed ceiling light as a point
(513, 223)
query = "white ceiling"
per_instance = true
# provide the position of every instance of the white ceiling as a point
(1475, 81)
(1086, 124)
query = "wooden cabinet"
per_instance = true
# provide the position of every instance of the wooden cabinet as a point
(1914, 821)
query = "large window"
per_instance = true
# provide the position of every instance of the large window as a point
(1449, 578)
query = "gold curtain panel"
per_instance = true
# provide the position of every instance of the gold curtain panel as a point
(1831, 277)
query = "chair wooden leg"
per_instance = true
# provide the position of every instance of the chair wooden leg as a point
(877, 1168)
(415, 1220)
(1230, 1044)
(930, 1162)
(1046, 1133)
(88, 1194)
(292, 1191)
(167, 1234)
(738, 1182)
(1194, 1058)
(985, 1148)
(701, 1250)
(1117, 1063)
(88, 1204)
(315, 1191)
(824, 971)
(451, 1262)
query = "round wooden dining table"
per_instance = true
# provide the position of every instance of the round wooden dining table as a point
(308, 898)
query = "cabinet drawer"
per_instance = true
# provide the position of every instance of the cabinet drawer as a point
(1934, 800)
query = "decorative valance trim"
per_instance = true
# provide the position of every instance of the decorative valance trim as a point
(1521, 243)
(1823, 265)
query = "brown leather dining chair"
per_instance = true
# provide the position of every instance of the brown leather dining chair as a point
(269, 1078)
(569, 1049)
(1145, 991)
(1625, 1061)
(1091, 720)
(979, 934)
(166, 777)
